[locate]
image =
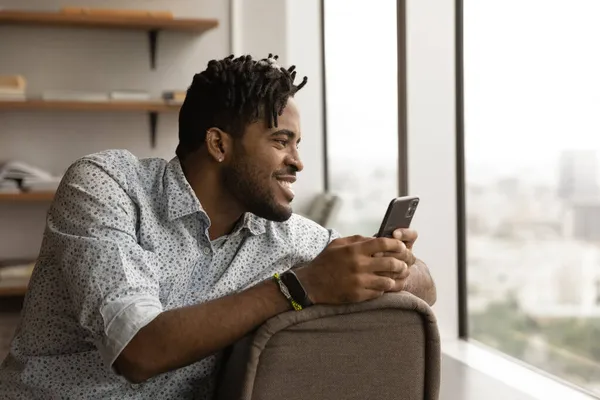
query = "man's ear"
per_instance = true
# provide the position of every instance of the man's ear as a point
(219, 144)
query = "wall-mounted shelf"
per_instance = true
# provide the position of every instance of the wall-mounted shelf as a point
(15, 286)
(152, 108)
(13, 289)
(151, 24)
(26, 197)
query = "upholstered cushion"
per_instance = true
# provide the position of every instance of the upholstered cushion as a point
(382, 349)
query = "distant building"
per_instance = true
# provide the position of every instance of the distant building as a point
(583, 220)
(578, 175)
(567, 286)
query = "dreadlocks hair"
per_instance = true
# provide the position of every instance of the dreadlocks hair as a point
(231, 94)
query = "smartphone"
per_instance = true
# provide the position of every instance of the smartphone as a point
(399, 214)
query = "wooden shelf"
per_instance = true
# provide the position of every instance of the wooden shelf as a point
(15, 287)
(13, 291)
(106, 22)
(151, 107)
(151, 24)
(26, 197)
(55, 105)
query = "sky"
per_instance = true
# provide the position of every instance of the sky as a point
(361, 78)
(532, 82)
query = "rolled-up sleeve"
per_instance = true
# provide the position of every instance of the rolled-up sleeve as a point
(111, 280)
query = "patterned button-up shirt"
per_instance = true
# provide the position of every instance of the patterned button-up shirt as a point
(126, 239)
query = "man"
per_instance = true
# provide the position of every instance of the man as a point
(149, 269)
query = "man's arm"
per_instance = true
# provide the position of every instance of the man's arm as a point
(179, 337)
(345, 272)
(420, 283)
(115, 292)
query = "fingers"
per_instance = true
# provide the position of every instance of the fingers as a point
(407, 256)
(399, 286)
(378, 283)
(388, 265)
(403, 274)
(349, 240)
(380, 245)
(408, 236)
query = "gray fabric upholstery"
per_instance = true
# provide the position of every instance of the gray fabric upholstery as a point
(387, 348)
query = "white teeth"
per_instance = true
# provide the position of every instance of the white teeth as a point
(287, 185)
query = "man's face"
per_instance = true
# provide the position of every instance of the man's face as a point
(261, 174)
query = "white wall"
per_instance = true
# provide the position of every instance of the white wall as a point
(431, 146)
(292, 30)
(104, 60)
(304, 50)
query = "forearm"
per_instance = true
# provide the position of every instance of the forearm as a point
(420, 283)
(182, 336)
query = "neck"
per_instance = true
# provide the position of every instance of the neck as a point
(222, 209)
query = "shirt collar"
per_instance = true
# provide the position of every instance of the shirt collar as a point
(254, 224)
(182, 201)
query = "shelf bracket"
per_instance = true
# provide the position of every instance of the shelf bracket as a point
(152, 40)
(153, 115)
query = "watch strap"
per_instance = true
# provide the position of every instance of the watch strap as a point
(284, 290)
(297, 291)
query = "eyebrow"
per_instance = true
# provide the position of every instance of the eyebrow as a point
(291, 135)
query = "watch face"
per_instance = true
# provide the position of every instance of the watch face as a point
(295, 287)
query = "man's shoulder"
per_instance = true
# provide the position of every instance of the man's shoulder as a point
(299, 229)
(305, 236)
(121, 165)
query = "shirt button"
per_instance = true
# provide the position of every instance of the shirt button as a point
(206, 251)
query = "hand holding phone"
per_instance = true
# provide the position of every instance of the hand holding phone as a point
(399, 215)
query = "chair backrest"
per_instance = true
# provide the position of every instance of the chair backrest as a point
(385, 349)
(324, 209)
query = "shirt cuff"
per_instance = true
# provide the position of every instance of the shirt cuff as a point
(123, 319)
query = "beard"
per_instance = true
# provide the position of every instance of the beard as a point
(254, 189)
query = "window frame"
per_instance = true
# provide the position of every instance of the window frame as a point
(511, 371)
(430, 82)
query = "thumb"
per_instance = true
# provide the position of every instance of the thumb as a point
(397, 234)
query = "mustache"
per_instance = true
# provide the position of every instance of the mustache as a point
(291, 170)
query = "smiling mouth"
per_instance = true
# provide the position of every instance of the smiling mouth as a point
(286, 185)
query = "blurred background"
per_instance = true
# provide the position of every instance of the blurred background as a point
(487, 109)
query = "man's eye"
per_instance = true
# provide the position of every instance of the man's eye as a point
(282, 142)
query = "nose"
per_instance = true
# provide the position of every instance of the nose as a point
(294, 160)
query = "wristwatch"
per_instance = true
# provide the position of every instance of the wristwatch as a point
(297, 291)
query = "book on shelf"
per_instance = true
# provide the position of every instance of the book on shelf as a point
(31, 184)
(74, 95)
(15, 274)
(8, 186)
(7, 96)
(130, 95)
(12, 88)
(26, 178)
(174, 96)
(16, 270)
(15, 82)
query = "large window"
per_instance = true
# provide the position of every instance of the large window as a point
(362, 110)
(532, 148)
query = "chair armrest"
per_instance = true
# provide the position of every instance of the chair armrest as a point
(339, 351)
